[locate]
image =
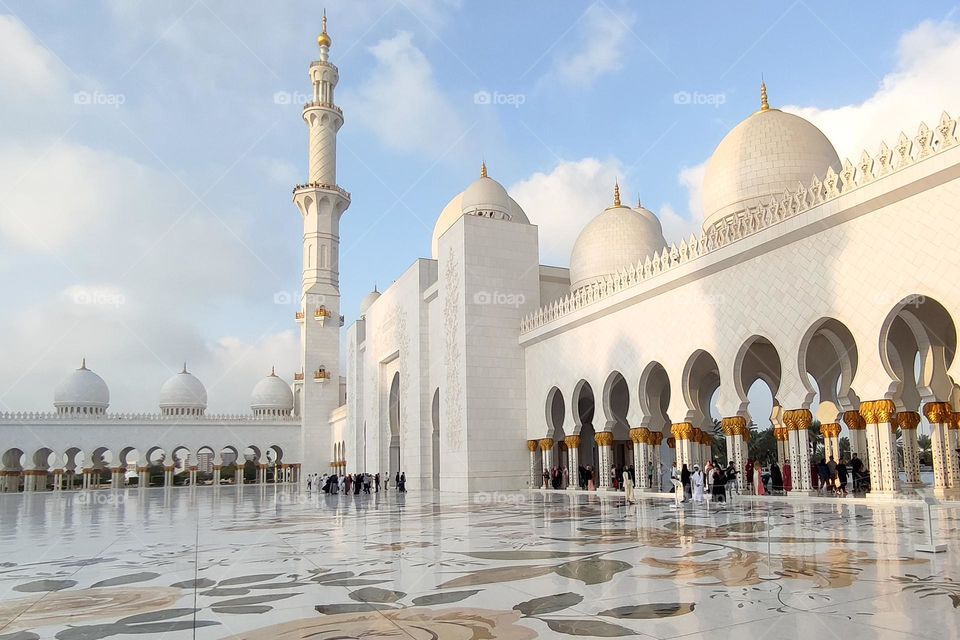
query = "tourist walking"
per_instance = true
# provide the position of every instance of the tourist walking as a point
(685, 482)
(697, 481)
(758, 479)
(856, 466)
(823, 474)
(402, 483)
(748, 477)
(376, 482)
(718, 488)
(628, 487)
(776, 479)
(842, 477)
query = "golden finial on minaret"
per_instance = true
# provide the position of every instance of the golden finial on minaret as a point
(616, 193)
(83, 364)
(184, 367)
(483, 169)
(273, 371)
(324, 39)
(764, 104)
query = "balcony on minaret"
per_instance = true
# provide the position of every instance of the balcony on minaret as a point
(307, 186)
(321, 375)
(300, 315)
(321, 314)
(315, 104)
(298, 376)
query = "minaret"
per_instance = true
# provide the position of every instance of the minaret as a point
(321, 203)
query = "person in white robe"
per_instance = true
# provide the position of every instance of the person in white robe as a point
(697, 481)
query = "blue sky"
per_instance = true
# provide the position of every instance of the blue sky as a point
(150, 148)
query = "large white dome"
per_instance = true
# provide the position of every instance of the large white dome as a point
(762, 157)
(272, 396)
(368, 300)
(183, 394)
(485, 197)
(83, 391)
(615, 239)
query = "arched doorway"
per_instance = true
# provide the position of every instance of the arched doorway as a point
(394, 417)
(583, 406)
(701, 382)
(616, 404)
(435, 439)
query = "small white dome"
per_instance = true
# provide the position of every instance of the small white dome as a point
(83, 391)
(183, 394)
(485, 197)
(767, 154)
(368, 300)
(272, 396)
(615, 239)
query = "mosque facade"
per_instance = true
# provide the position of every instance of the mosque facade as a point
(833, 282)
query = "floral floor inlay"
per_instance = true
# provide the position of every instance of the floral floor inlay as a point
(276, 562)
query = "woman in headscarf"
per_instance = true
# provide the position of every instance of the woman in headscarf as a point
(697, 480)
(758, 479)
(776, 478)
(685, 482)
(718, 487)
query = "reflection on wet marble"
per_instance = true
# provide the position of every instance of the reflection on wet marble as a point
(277, 562)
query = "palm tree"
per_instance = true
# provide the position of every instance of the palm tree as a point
(925, 444)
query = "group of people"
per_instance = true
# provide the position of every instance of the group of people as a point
(711, 481)
(354, 483)
(831, 476)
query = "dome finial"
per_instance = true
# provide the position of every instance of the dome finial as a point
(483, 169)
(83, 363)
(616, 192)
(273, 371)
(184, 367)
(324, 39)
(764, 104)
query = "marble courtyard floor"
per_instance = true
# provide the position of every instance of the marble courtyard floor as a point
(275, 562)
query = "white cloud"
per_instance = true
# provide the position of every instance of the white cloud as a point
(599, 49)
(27, 66)
(564, 200)
(918, 89)
(401, 101)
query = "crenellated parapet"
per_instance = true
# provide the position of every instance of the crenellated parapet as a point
(747, 222)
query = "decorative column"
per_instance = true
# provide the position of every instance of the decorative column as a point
(216, 475)
(116, 477)
(58, 479)
(168, 476)
(683, 432)
(831, 440)
(535, 474)
(858, 435)
(735, 430)
(953, 442)
(546, 446)
(641, 455)
(882, 449)
(908, 421)
(573, 461)
(940, 415)
(798, 421)
(656, 440)
(604, 441)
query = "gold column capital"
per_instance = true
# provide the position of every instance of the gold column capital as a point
(830, 429)
(572, 442)
(531, 445)
(658, 437)
(604, 438)
(546, 444)
(682, 430)
(854, 420)
(938, 412)
(733, 425)
(672, 443)
(636, 435)
(908, 420)
(954, 420)
(885, 410)
(797, 419)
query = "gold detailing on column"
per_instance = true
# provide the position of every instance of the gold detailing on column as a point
(681, 430)
(696, 436)
(636, 436)
(954, 421)
(531, 445)
(641, 435)
(573, 442)
(885, 410)
(672, 443)
(797, 419)
(908, 420)
(781, 433)
(938, 412)
(604, 438)
(546, 444)
(658, 437)
(830, 430)
(854, 420)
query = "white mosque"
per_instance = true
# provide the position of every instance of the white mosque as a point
(828, 280)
